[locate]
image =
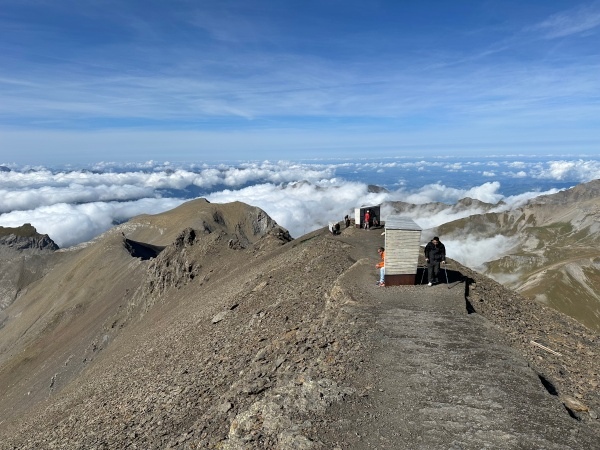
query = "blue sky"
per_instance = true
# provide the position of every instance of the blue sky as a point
(202, 81)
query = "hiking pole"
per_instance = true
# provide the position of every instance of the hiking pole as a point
(446, 270)
(422, 274)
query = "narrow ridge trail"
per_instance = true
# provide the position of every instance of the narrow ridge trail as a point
(438, 376)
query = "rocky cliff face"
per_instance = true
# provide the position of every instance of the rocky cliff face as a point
(190, 257)
(25, 237)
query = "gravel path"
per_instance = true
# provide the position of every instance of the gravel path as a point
(437, 377)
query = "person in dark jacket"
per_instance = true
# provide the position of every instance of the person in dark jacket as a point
(435, 254)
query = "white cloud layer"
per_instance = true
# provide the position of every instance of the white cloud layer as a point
(474, 252)
(69, 224)
(75, 206)
(32, 189)
(303, 207)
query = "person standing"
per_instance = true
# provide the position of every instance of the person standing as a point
(367, 219)
(435, 254)
(374, 220)
(381, 266)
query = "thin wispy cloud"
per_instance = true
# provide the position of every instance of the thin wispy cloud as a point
(582, 19)
(198, 79)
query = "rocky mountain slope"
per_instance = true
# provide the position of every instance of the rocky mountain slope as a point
(112, 348)
(208, 327)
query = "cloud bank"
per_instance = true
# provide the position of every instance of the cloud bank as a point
(71, 224)
(73, 206)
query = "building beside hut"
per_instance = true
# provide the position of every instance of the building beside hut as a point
(374, 212)
(402, 249)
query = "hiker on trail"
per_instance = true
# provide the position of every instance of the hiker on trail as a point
(367, 219)
(381, 266)
(347, 220)
(435, 254)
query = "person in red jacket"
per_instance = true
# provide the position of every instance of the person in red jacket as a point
(381, 266)
(367, 220)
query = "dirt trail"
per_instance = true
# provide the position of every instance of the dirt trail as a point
(439, 377)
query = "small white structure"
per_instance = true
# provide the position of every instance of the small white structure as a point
(402, 248)
(374, 212)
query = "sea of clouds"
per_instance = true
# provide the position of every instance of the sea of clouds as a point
(75, 205)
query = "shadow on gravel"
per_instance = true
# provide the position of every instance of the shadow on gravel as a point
(446, 276)
(468, 304)
(551, 389)
(452, 278)
(548, 385)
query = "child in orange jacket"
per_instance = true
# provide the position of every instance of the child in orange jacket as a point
(381, 266)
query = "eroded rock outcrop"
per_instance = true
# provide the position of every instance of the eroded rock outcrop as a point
(25, 237)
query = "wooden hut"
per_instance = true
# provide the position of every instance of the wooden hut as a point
(402, 248)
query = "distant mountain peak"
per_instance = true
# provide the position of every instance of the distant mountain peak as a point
(579, 193)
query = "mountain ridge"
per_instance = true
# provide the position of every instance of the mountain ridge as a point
(234, 335)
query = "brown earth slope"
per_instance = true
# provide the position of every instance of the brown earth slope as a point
(235, 337)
